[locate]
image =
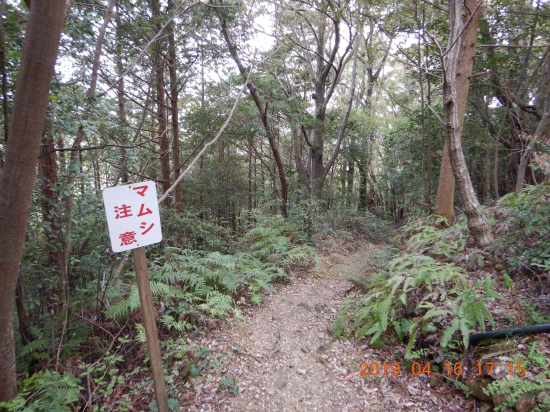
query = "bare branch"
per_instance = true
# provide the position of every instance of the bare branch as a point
(212, 142)
(436, 6)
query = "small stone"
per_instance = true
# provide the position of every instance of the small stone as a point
(526, 403)
(305, 349)
(477, 386)
(276, 318)
(303, 305)
(321, 360)
(280, 382)
(331, 376)
(270, 391)
(301, 371)
(498, 399)
(542, 396)
(330, 328)
(325, 347)
(435, 380)
(486, 407)
(319, 307)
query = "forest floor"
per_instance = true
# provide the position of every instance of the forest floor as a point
(282, 357)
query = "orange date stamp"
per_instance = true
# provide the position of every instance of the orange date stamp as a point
(449, 369)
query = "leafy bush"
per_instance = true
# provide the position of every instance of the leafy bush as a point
(46, 391)
(193, 284)
(525, 230)
(428, 295)
(424, 236)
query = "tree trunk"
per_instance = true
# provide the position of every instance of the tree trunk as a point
(531, 146)
(457, 65)
(120, 97)
(172, 67)
(263, 111)
(29, 112)
(350, 177)
(50, 202)
(362, 205)
(76, 154)
(161, 107)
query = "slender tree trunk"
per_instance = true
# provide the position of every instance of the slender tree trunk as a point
(120, 96)
(172, 67)
(350, 176)
(162, 131)
(526, 155)
(76, 154)
(5, 104)
(29, 112)
(457, 64)
(362, 205)
(303, 176)
(263, 111)
(21, 313)
(487, 176)
(50, 201)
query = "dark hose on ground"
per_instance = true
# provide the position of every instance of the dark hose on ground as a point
(476, 338)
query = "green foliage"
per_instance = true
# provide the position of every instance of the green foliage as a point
(173, 405)
(417, 295)
(526, 232)
(513, 389)
(362, 224)
(184, 230)
(46, 391)
(427, 238)
(229, 384)
(191, 284)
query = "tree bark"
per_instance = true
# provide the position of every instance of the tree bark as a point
(29, 112)
(50, 201)
(464, 47)
(75, 154)
(263, 111)
(172, 68)
(457, 67)
(531, 146)
(162, 131)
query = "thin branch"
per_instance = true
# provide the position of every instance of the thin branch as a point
(212, 142)
(154, 39)
(514, 46)
(436, 6)
(463, 28)
(436, 115)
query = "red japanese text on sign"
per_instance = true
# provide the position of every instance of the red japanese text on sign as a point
(132, 215)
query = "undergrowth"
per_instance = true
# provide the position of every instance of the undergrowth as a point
(416, 294)
(530, 384)
(191, 289)
(192, 284)
(524, 228)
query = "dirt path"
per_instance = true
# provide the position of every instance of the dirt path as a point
(283, 358)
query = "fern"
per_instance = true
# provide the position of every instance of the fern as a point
(46, 391)
(417, 285)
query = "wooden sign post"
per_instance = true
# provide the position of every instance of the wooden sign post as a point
(146, 299)
(134, 222)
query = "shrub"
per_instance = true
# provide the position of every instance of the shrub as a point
(525, 227)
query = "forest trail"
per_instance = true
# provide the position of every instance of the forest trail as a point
(283, 357)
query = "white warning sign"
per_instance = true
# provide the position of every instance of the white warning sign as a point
(132, 215)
